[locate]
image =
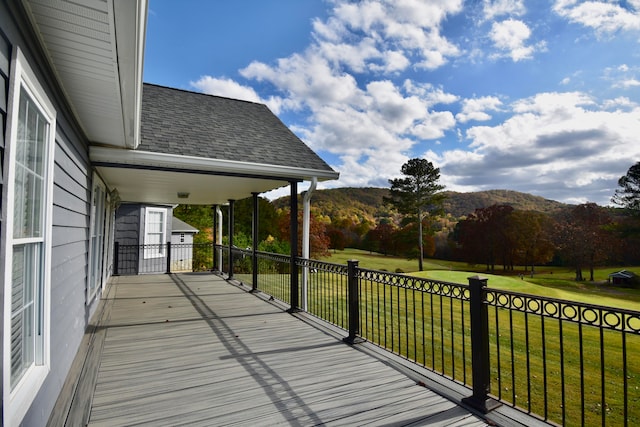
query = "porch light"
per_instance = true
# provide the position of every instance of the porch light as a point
(183, 195)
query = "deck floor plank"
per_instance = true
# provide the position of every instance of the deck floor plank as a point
(191, 349)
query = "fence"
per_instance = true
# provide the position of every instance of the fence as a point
(565, 362)
(161, 258)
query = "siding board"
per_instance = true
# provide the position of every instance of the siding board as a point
(69, 200)
(66, 218)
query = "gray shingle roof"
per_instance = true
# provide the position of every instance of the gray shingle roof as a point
(187, 123)
(178, 226)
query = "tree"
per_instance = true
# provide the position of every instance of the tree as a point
(584, 237)
(417, 194)
(484, 236)
(318, 239)
(628, 195)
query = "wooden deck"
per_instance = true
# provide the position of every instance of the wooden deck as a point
(192, 349)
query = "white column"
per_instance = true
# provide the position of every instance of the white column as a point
(306, 219)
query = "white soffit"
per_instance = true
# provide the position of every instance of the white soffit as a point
(96, 49)
(163, 187)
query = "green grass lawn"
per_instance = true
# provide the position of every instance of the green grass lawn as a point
(529, 353)
(552, 282)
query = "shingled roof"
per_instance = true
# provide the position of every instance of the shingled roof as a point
(187, 123)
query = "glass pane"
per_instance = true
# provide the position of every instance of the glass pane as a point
(33, 132)
(26, 289)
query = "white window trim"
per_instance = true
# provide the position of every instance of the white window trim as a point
(18, 400)
(91, 291)
(152, 252)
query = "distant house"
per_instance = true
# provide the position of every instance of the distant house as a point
(623, 278)
(80, 137)
(181, 245)
(141, 233)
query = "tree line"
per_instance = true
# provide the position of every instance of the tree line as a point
(412, 224)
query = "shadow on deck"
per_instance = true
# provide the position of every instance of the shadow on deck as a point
(192, 349)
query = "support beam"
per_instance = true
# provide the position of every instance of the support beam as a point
(294, 288)
(231, 231)
(306, 225)
(214, 211)
(254, 246)
(219, 238)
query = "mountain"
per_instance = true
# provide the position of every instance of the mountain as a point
(367, 203)
(460, 204)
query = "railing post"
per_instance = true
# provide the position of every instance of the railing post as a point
(480, 367)
(168, 258)
(353, 303)
(116, 258)
(293, 265)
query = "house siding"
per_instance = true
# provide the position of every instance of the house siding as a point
(70, 312)
(127, 233)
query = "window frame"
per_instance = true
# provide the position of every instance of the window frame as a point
(97, 231)
(18, 397)
(150, 251)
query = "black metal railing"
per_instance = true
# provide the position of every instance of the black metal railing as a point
(565, 362)
(162, 258)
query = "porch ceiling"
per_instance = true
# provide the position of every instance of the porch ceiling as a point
(143, 176)
(162, 186)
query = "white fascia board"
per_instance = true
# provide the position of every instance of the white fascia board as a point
(171, 161)
(130, 19)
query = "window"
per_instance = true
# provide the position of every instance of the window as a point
(96, 248)
(154, 232)
(31, 130)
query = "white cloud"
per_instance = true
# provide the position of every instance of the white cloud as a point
(600, 15)
(227, 88)
(476, 108)
(510, 37)
(565, 143)
(494, 8)
(428, 93)
(405, 27)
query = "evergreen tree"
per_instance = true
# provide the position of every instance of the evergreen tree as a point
(628, 195)
(417, 195)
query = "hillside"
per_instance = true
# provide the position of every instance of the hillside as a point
(459, 204)
(367, 202)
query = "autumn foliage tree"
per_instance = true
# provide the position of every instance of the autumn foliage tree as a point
(318, 239)
(584, 239)
(483, 238)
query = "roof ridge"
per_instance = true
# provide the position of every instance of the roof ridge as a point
(202, 93)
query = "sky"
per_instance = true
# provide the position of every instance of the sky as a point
(541, 97)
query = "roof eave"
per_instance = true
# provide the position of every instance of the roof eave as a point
(172, 162)
(96, 52)
(132, 17)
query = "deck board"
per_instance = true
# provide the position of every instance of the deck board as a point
(191, 349)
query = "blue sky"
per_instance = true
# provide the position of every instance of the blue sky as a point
(537, 96)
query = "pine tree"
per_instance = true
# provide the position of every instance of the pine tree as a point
(417, 195)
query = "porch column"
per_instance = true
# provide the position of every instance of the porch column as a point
(306, 220)
(293, 207)
(218, 238)
(254, 246)
(214, 212)
(230, 228)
